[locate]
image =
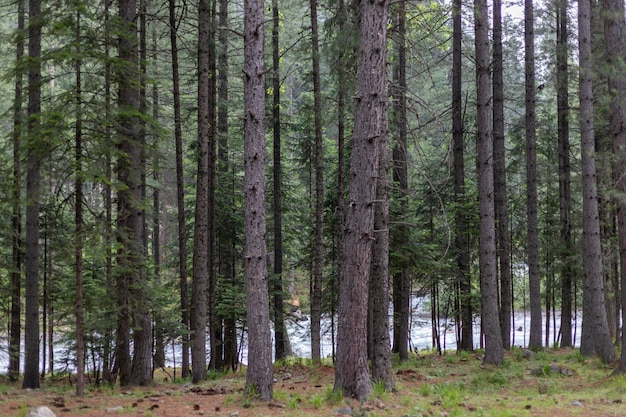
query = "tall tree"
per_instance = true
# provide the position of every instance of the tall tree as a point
(352, 375)
(499, 175)
(318, 243)
(401, 279)
(534, 277)
(16, 225)
(141, 368)
(615, 70)
(562, 84)
(180, 190)
(260, 372)
(201, 235)
(487, 243)
(466, 341)
(129, 253)
(379, 274)
(279, 320)
(33, 179)
(78, 220)
(595, 336)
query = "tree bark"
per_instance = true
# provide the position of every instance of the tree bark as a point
(595, 337)
(401, 279)
(534, 277)
(33, 179)
(615, 50)
(487, 244)
(499, 173)
(351, 372)
(16, 225)
(259, 374)
(180, 191)
(198, 316)
(564, 172)
(318, 244)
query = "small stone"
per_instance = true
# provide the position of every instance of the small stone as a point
(234, 414)
(114, 409)
(346, 411)
(577, 403)
(41, 412)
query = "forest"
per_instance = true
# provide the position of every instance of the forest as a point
(186, 174)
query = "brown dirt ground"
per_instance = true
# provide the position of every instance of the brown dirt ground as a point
(298, 385)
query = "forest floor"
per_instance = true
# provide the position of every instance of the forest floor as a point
(550, 383)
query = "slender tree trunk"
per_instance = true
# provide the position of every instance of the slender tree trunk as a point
(615, 50)
(351, 373)
(78, 223)
(499, 174)
(226, 238)
(33, 179)
(318, 245)
(260, 373)
(201, 236)
(466, 341)
(130, 253)
(141, 368)
(564, 172)
(180, 191)
(534, 277)
(488, 269)
(595, 337)
(379, 275)
(279, 320)
(16, 225)
(401, 279)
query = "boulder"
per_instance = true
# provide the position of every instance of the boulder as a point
(40, 412)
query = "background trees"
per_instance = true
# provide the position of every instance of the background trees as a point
(113, 158)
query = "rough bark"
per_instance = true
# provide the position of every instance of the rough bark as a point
(318, 243)
(401, 279)
(595, 336)
(532, 220)
(16, 220)
(279, 319)
(33, 179)
(487, 235)
(466, 341)
(564, 172)
(180, 191)
(351, 371)
(615, 50)
(499, 174)
(259, 373)
(198, 310)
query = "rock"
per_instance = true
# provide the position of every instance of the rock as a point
(552, 369)
(528, 354)
(346, 411)
(577, 403)
(234, 414)
(40, 412)
(114, 409)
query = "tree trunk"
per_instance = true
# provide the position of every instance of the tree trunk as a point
(226, 238)
(487, 245)
(379, 275)
(466, 341)
(318, 244)
(141, 368)
(260, 373)
(401, 279)
(78, 223)
(595, 337)
(370, 127)
(180, 191)
(201, 236)
(534, 277)
(16, 225)
(33, 179)
(564, 172)
(615, 49)
(499, 174)
(279, 320)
